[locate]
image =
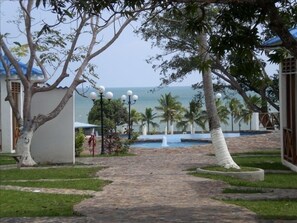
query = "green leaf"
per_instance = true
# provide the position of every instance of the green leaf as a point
(17, 43)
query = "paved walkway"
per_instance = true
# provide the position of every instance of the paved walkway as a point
(154, 187)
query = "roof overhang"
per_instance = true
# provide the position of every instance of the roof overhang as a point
(276, 42)
(13, 71)
(84, 125)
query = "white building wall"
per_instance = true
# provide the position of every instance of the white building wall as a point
(5, 120)
(53, 142)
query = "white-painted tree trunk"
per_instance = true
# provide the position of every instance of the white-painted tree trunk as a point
(171, 129)
(218, 140)
(23, 148)
(221, 150)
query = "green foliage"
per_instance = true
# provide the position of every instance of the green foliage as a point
(193, 115)
(235, 61)
(171, 109)
(147, 118)
(135, 117)
(79, 141)
(114, 145)
(223, 111)
(114, 114)
(273, 89)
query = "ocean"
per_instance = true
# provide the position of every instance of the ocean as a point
(147, 97)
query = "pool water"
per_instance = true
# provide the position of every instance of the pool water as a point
(158, 145)
(182, 140)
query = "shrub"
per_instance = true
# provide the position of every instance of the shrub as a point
(79, 141)
(115, 145)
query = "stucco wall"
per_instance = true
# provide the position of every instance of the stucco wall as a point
(5, 120)
(54, 141)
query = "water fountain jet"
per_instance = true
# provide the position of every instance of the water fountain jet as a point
(164, 142)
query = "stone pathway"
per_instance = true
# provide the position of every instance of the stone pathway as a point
(154, 187)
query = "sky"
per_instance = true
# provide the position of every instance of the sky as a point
(121, 65)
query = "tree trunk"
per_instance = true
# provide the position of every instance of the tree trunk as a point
(232, 122)
(218, 140)
(23, 148)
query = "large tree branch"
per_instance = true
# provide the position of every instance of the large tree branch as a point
(233, 82)
(32, 48)
(114, 38)
(64, 73)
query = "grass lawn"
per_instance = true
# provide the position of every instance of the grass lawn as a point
(48, 173)
(269, 209)
(79, 184)
(272, 180)
(28, 204)
(265, 162)
(5, 160)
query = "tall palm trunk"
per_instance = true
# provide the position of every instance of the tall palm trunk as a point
(218, 140)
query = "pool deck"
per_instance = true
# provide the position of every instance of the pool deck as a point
(153, 186)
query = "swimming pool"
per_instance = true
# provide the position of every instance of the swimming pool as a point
(182, 140)
(158, 145)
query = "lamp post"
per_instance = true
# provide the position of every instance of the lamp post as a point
(93, 96)
(129, 102)
(218, 96)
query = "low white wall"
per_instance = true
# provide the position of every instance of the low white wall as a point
(54, 141)
(255, 121)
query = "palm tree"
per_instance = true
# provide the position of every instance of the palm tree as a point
(246, 113)
(171, 108)
(218, 140)
(235, 108)
(148, 116)
(135, 118)
(245, 116)
(222, 112)
(193, 115)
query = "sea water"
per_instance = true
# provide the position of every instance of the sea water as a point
(147, 98)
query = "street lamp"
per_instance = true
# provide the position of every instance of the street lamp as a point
(93, 96)
(129, 102)
(218, 96)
